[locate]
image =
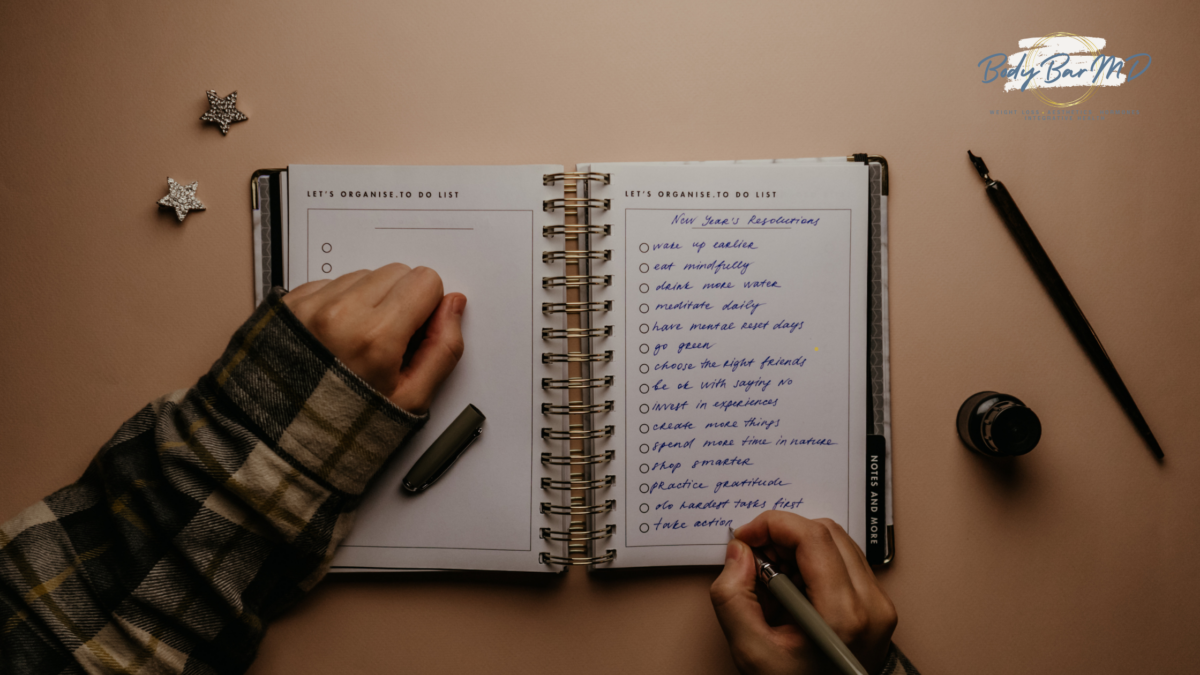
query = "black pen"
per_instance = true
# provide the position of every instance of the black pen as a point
(1063, 300)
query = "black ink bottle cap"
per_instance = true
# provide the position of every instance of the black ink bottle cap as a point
(998, 425)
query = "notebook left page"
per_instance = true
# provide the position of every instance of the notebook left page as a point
(480, 228)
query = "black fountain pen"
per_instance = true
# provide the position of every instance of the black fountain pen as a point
(1063, 300)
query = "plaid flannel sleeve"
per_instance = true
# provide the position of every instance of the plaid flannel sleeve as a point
(898, 663)
(208, 512)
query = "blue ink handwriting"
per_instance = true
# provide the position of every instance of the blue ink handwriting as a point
(664, 466)
(718, 266)
(685, 484)
(674, 286)
(659, 446)
(782, 220)
(765, 283)
(748, 482)
(766, 424)
(747, 304)
(772, 361)
(745, 403)
(756, 383)
(683, 304)
(727, 461)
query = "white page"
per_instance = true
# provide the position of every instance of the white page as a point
(480, 228)
(795, 250)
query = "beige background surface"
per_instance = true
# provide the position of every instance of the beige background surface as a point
(1081, 557)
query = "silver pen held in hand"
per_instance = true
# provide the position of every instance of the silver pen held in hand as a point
(805, 614)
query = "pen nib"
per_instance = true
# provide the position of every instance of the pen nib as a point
(979, 166)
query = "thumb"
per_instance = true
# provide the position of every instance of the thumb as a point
(733, 598)
(435, 358)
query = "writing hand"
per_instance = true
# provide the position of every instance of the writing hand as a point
(367, 319)
(835, 576)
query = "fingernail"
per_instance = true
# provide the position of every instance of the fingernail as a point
(735, 532)
(458, 304)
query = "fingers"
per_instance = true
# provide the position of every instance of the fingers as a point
(410, 301)
(435, 358)
(821, 564)
(816, 553)
(856, 564)
(733, 598)
(371, 289)
(837, 577)
(881, 613)
(324, 302)
(368, 319)
(756, 646)
(303, 290)
(868, 631)
(336, 286)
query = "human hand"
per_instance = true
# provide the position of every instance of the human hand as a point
(835, 576)
(367, 319)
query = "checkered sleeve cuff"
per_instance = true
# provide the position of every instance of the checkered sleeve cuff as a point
(305, 403)
(898, 663)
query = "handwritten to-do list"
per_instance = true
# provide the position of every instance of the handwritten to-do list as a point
(736, 369)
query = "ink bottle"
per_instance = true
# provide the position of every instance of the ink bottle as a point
(998, 425)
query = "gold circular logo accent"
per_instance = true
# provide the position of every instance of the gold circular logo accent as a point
(1033, 60)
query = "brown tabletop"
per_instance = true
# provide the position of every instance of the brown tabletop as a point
(1080, 557)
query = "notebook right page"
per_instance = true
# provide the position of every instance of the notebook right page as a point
(739, 294)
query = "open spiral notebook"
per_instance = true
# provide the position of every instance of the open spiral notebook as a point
(695, 343)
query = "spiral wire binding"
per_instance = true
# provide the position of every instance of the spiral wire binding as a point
(578, 482)
(576, 281)
(578, 382)
(571, 205)
(572, 231)
(577, 507)
(547, 559)
(552, 178)
(578, 357)
(576, 307)
(569, 333)
(576, 432)
(577, 460)
(583, 460)
(575, 256)
(576, 408)
(577, 533)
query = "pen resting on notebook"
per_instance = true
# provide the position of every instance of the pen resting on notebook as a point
(446, 450)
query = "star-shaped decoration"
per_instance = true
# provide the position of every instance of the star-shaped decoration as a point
(221, 111)
(182, 198)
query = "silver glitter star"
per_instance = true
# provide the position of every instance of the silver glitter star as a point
(182, 198)
(221, 111)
